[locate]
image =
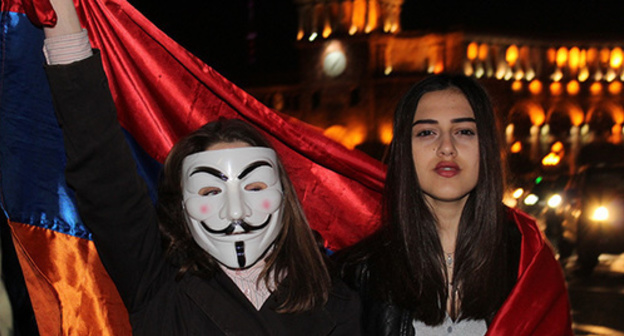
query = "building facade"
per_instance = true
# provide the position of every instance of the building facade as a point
(356, 62)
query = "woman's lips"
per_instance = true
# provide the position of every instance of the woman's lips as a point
(447, 169)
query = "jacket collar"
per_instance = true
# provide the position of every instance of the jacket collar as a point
(221, 300)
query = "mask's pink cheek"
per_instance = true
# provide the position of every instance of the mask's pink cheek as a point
(204, 209)
(266, 204)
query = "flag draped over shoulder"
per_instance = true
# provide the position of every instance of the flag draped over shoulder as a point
(162, 92)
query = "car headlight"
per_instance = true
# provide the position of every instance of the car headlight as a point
(531, 199)
(600, 214)
(554, 201)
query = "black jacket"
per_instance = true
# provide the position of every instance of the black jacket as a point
(113, 202)
(382, 318)
(379, 318)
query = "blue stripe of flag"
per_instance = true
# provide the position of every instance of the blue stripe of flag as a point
(32, 158)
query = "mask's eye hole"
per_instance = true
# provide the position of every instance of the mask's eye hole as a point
(209, 191)
(256, 186)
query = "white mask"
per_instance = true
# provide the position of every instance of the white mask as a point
(233, 199)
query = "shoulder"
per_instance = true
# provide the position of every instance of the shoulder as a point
(352, 265)
(343, 295)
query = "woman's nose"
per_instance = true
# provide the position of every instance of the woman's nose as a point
(447, 147)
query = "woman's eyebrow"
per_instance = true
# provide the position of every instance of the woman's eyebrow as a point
(424, 121)
(460, 120)
(454, 121)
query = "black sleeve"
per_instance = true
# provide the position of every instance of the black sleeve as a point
(112, 199)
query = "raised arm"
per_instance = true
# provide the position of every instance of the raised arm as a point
(67, 23)
(112, 198)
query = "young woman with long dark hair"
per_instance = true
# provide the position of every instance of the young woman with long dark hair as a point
(448, 253)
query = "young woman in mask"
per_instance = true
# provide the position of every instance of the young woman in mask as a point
(226, 251)
(450, 258)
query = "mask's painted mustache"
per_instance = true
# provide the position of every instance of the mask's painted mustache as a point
(239, 222)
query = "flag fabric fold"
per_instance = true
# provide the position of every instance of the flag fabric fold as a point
(162, 92)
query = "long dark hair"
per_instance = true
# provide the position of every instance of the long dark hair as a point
(409, 260)
(295, 254)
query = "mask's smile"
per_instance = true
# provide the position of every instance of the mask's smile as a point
(229, 230)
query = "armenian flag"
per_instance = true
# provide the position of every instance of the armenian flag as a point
(162, 92)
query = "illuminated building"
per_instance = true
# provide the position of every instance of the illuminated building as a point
(356, 62)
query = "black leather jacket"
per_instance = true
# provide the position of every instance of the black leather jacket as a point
(380, 318)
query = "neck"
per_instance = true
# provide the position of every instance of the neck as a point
(448, 215)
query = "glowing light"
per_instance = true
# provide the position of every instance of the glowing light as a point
(615, 88)
(358, 15)
(373, 14)
(600, 214)
(516, 147)
(519, 74)
(531, 199)
(479, 71)
(605, 55)
(530, 74)
(336, 132)
(551, 55)
(483, 51)
(312, 37)
(557, 75)
(327, 30)
(595, 89)
(300, 34)
(562, 57)
(501, 69)
(598, 75)
(439, 67)
(511, 56)
(387, 27)
(616, 57)
(557, 147)
(551, 159)
(536, 113)
(554, 201)
(583, 58)
(574, 58)
(472, 51)
(592, 55)
(468, 70)
(348, 137)
(388, 70)
(573, 88)
(385, 133)
(508, 74)
(535, 87)
(556, 88)
(545, 130)
(577, 117)
(610, 75)
(583, 74)
(517, 193)
(516, 86)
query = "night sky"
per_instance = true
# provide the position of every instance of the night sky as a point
(246, 39)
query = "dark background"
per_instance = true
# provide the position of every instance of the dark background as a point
(247, 39)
